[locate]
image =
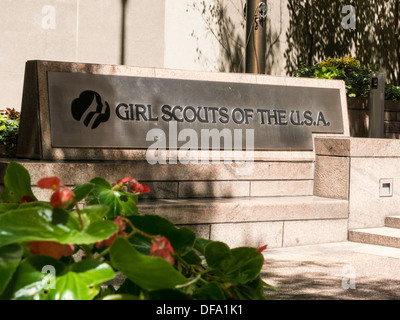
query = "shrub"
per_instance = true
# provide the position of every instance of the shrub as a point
(392, 92)
(346, 63)
(159, 260)
(349, 69)
(9, 127)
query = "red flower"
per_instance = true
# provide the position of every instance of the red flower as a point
(60, 199)
(121, 182)
(51, 248)
(138, 187)
(162, 248)
(135, 186)
(121, 227)
(52, 183)
(124, 180)
(261, 249)
(120, 223)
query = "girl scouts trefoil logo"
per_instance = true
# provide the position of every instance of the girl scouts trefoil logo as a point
(90, 107)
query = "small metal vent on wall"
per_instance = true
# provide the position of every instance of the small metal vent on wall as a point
(386, 187)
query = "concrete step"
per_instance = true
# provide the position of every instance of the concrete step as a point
(383, 236)
(246, 209)
(256, 221)
(392, 222)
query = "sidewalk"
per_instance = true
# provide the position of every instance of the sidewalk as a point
(334, 271)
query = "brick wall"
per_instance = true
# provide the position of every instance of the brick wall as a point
(359, 118)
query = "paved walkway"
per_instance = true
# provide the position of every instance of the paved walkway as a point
(335, 271)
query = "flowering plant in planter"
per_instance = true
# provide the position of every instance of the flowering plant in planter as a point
(39, 242)
(9, 127)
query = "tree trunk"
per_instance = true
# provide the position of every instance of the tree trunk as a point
(397, 35)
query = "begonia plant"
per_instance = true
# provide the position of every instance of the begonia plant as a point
(73, 245)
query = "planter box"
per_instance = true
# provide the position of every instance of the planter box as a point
(359, 117)
(3, 152)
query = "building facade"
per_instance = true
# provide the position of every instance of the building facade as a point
(188, 34)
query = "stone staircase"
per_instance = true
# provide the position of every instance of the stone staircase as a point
(254, 221)
(389, 235)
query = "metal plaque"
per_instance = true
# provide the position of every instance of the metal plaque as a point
(129, 112)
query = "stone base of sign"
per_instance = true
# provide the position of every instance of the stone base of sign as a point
(353, 169)
(227, 210)
(276, 221)
(270, 203)
(273, 176)
(286, 199)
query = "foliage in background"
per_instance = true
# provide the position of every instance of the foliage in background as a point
(315, 31)
(392, 92)
(158, 260)
(9, 127)
(349, 69)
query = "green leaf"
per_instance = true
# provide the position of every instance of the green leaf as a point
(150, 273)
(111, 199)
(141, 243)
(81, 192)
(101, 182)
(128, 287)
(192, 258)
(210, 291)
(216, 253)
(253, 290)
(200, 244)
(128, 204)
(238, 265)
(182, 239)
(245, 265)
(91, 214)
(45, 224)
(119, 202)
(34, 204)
(17, 183)
(266, 285)
(77, 282)
(81, 282)
(95, 213)
(4, 207)
(29, 280)
(10, 257)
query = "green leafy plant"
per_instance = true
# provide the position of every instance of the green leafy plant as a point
(305, 71)
(157, 259)
(331, 72)
(9, 127)
(392, 92)
(346, 64)
(349, 69)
